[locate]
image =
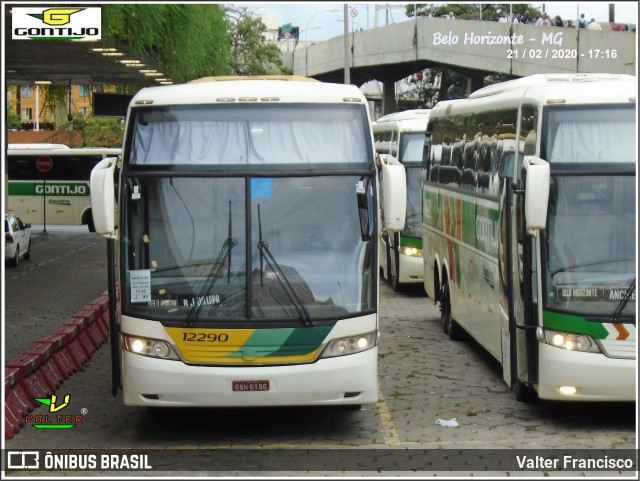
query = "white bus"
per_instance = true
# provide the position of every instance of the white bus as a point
(49, 183)
(401, 135)
(529, 217)
(248, 263)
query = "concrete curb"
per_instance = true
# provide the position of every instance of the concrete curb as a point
(46, 364)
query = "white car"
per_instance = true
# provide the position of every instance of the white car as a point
(17, 240)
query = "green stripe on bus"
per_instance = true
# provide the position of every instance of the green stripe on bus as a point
(574, 324)
(285, 341)
(50, 189)
(411, 242)
(303, 340)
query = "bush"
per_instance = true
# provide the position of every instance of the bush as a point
(13, 121)
(102, 132)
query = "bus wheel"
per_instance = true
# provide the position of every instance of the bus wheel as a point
(448, 324)
(445, 308)
(394, 275)
(16, 258)
(523, 393)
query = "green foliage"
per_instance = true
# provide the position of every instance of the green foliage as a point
(466, 11)
(56, 99)
(250, 54)
(13, 120)
(190, 40)
(100, 131)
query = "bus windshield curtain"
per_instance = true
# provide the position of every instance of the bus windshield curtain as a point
(591, 141)
(249, 142)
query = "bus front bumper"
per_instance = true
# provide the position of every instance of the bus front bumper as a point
(345, 380)
(411, 269)
(595, 377)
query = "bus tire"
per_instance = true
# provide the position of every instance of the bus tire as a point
(16, 258)
(523, 393)
(395, 273)
(449, 325)
(444, 315)
(90, 225)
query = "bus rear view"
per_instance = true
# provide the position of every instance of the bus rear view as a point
(247, 246)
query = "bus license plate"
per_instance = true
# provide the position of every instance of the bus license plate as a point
(250, 386)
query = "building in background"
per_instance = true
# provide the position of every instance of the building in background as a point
(54, 105)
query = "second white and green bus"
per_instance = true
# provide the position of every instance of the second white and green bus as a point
(530, 223)
(49, 183)
(401, 135)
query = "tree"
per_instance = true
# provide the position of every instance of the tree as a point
(466, 11)
(250, 53)
(13, 120)
(190, 40)
(435, 84)
(103, 132)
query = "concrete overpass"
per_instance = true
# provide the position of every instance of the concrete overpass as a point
(473, 48)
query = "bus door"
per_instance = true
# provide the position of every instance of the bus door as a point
(518, 281)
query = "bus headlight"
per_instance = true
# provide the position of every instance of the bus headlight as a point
(570, 342)
(148, 347)
(411, 251)
(350, 345)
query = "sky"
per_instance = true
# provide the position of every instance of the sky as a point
(323, 20)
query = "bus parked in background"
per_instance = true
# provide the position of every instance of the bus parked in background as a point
(401, 135)
(248, 247)
(529, 216)
(49, 183)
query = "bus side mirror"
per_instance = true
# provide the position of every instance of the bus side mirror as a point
(394, 197)
(102, 198)
(536, 193)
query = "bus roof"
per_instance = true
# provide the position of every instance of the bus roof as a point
(262, 91)
(37, 146)
(546, 89)
(405, 115)
(549, 81)
(408, 120)
(254, 77)
(60, 150)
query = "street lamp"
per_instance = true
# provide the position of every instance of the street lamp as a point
(306, 38)
(36, 126)
(312, 17)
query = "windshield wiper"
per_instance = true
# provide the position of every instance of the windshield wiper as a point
(214, 274)
(623, 302)
(587, 264)
(265, 254)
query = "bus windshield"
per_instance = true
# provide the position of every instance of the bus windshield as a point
(411, 147)
(592, 219)
(591, 257)
(202, 249)
(252, 135)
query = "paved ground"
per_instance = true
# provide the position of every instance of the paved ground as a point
(67, 269)
(423, 377)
